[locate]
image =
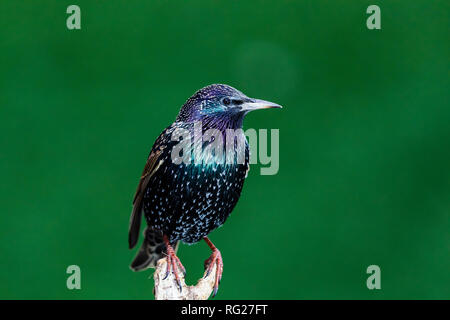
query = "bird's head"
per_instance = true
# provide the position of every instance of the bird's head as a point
(221, 103)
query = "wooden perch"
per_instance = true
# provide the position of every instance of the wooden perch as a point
(168, 290)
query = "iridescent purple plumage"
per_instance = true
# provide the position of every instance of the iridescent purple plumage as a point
(186, 201)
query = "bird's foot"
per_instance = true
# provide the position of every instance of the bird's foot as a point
(214, 259)
(174, 265)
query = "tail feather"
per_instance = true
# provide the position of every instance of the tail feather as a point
(153, 248)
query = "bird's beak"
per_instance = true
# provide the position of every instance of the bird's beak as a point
(255, 104)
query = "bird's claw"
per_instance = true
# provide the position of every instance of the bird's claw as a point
(167, 272)
(173, 263)
(215, 258)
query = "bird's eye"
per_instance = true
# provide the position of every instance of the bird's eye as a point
(226, 101)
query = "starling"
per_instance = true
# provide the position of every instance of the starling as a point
(186, 200)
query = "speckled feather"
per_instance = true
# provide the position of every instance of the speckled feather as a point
(186, 202)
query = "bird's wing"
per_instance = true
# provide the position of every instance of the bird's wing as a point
(153, 163)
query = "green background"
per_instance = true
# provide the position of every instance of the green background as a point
(364, 143)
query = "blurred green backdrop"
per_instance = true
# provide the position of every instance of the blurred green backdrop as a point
(364, 143)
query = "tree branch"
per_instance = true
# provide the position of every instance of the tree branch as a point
(168, 290)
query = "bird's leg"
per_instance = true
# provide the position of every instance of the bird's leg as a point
(216, 258)
(173, 262)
